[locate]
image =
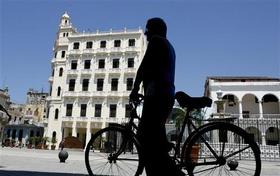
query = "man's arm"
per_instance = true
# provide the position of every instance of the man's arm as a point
(139, 78)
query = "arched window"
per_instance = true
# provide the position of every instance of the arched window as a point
(60, 72)
(8, 133)
(31, 133)
(56, 114)
(58, 91)
(53, 136)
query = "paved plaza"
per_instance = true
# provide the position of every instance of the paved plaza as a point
(31, 162)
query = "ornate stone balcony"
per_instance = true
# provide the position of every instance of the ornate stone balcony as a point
(75, 52)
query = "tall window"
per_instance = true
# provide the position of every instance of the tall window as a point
(62, 54)
(76, 45)
(127, 110)
(60, 72)
(129, 83)
(72, 85)
(101, 63)
(89, 45)
(102, 44)
(50, 90)
(83, 110)
(87, 64)
(69, 108)
(116, 63)
(117, 43)
(56, 114)
(130, 62)
(114, 84)
(131, 42)
(74, 64)
(100, 82)
(58, 91)
(85, 84)
(113, 110)
(97, 112)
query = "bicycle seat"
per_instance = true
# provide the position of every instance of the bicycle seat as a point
(186, 101)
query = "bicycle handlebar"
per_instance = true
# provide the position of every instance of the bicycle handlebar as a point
(136, 102)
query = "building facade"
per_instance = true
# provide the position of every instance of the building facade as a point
(5, 102)
(254, 101)
(27, 120)
(92, 76)
(35, 107)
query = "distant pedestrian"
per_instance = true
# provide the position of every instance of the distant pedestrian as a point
(61, 145)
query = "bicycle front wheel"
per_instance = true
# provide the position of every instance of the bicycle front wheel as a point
(221, 149)
(112, 151)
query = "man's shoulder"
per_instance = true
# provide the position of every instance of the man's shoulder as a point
(158, 42)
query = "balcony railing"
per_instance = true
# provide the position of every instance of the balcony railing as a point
(69, 94)
(74, 52)
(72, 72)
(101, 50)
(96, 119)
(51, 79)
(88, 51)
(82, 119)
(67, 118)
(84, 94)
(256, 116)
(86, 72)
(131, 49)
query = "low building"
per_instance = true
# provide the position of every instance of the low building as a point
(254, 101)
(27, 120)
(5, 102)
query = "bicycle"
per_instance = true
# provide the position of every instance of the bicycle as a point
(215, 148)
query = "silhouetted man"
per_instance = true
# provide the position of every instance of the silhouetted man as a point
(157, 72)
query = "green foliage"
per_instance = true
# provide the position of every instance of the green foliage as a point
(198, 115)
(177, 116)
(54, 140)
(31, 140)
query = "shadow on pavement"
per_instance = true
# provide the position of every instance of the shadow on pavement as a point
(31, 173)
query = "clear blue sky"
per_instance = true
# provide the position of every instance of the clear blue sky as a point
(211, 37)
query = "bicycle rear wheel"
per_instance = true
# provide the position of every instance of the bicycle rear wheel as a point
(221, 149)
(112, 151)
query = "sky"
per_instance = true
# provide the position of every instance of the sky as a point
(210, 37)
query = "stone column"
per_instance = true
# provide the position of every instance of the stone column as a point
(74, 129)
(88, 133)
(279, 107)
(240, 110)
(263, 139)
(260, 110)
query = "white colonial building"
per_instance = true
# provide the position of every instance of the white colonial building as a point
(92, 76)
(254, 101)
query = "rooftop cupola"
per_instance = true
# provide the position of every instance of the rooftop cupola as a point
(65, 20)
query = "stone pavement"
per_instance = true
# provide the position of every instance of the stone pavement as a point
(31, 162)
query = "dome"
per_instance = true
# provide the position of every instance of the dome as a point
(65, 15)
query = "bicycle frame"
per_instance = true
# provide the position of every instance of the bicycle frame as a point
(187, 121)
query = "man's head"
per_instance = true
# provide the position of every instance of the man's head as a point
(155, 26)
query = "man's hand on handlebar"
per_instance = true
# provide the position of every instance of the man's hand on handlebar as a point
(135, 96)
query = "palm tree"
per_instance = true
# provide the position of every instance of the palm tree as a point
(177, 116)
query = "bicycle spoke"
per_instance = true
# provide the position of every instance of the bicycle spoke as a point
(227, 142)
(112, 154)
(234, 153)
